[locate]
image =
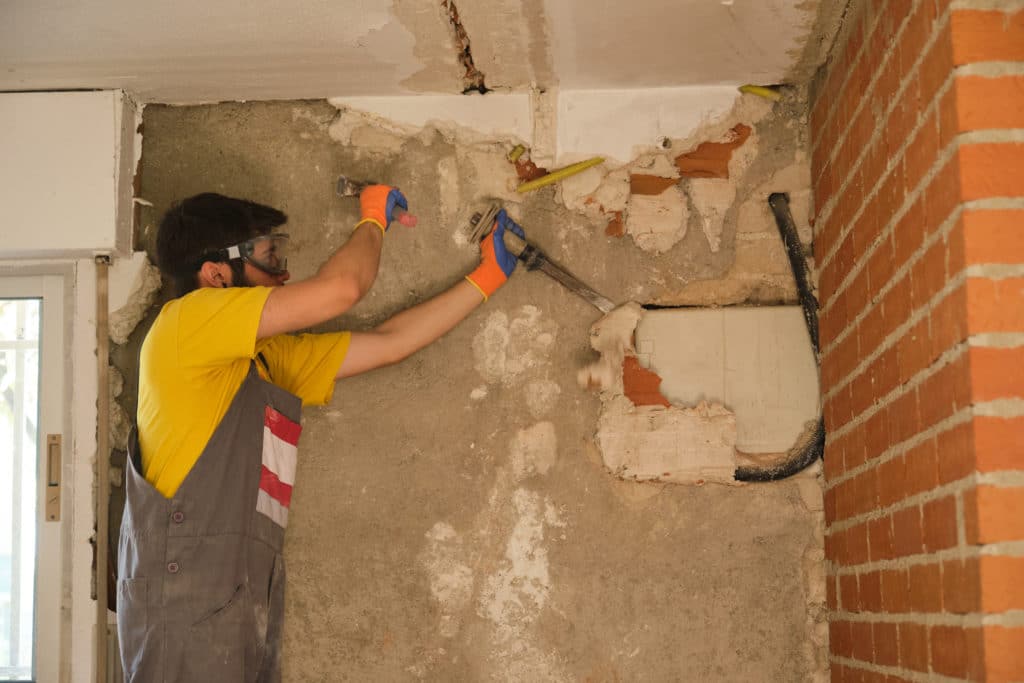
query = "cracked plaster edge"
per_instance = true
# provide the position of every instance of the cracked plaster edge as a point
(612, 336)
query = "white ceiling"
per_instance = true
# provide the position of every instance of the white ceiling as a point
(208, 50)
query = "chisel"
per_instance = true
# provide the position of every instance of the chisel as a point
(535, 259)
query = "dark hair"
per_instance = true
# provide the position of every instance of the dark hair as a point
(194, 229)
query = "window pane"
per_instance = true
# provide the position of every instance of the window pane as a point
(19, 452)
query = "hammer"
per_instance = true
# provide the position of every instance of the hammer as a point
(346, 187)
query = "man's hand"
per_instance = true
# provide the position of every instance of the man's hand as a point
(496, 262)
(378, 202)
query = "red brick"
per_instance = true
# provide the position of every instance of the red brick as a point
(876, 434)
(871, 331)
(833, 465)
(925, 588)
(955, 451)
(996, 373)
(886, 641)
(849, 597)
(986, 103)
(948, 324)
(857, 544)
(993, 236)
(1001, 586)
(913, 646)
(921, 467)
(1002, 647)
(992, 169)
(863, 645)
(895, 590)
(949, 650)
(913, 350)
(923, 150)
(884, 371)
(861, 393)
(870, 591)
(949, 118)
(995, 305)
(904, 418)
(946, 391)
(987, 35)
(857, 293)
(891, 481)
(880, 539)
(997, 443)
(880, 265)
(935, 68)
(929, 275)
(854, 452)
(916, 33)
(845, 502)
(940, 524)
(908, 234)
(896, 304)
(943, 195)
(840, 635)
(961, 586)
(907, 531)
(992, 514)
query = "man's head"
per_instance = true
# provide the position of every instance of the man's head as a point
(210, 240)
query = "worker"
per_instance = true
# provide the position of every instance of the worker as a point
(200, 590)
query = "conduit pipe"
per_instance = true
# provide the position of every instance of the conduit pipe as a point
(811, 445)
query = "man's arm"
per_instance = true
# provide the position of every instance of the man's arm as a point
(409, 331)
(342, 280)
(337, 286)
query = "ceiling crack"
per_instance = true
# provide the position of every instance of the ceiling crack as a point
(473, 79)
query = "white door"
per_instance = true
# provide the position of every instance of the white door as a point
(32, 467)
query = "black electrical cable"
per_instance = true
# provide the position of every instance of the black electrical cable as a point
(803, 454)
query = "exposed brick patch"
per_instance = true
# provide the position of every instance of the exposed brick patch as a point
(640, 385)
(711, 159)
(640, 183)
(616, 226)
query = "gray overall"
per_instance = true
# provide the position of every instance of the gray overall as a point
(200, 590)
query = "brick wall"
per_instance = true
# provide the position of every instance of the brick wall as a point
(917, 125)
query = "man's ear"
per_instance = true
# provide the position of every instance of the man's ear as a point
(213, 274)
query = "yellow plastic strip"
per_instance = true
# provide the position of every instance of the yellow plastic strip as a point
(371, 220)
(516, 152)
(478, 288)
(761, 91)
(559, 174)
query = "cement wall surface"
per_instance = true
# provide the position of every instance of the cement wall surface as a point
(452, 517)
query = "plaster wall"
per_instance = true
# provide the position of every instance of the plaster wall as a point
(453, 517)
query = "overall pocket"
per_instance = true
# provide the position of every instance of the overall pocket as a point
(138, 632)
(217, 642)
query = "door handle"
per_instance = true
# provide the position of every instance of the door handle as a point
(53, 476)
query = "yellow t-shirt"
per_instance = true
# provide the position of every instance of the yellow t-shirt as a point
(193, 361)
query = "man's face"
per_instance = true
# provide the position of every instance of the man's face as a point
(266, 265)
(254, 277)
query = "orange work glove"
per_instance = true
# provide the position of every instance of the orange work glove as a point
(378, 202)
(496, 262)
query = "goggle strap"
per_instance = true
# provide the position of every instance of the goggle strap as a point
(234, 252)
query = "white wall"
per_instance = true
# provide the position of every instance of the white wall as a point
(66, 188)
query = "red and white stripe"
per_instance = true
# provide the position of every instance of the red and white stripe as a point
(277, 477)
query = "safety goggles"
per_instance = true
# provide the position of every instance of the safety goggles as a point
(269, 253)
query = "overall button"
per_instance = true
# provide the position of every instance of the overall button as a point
(177, 516)
(172, 567)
